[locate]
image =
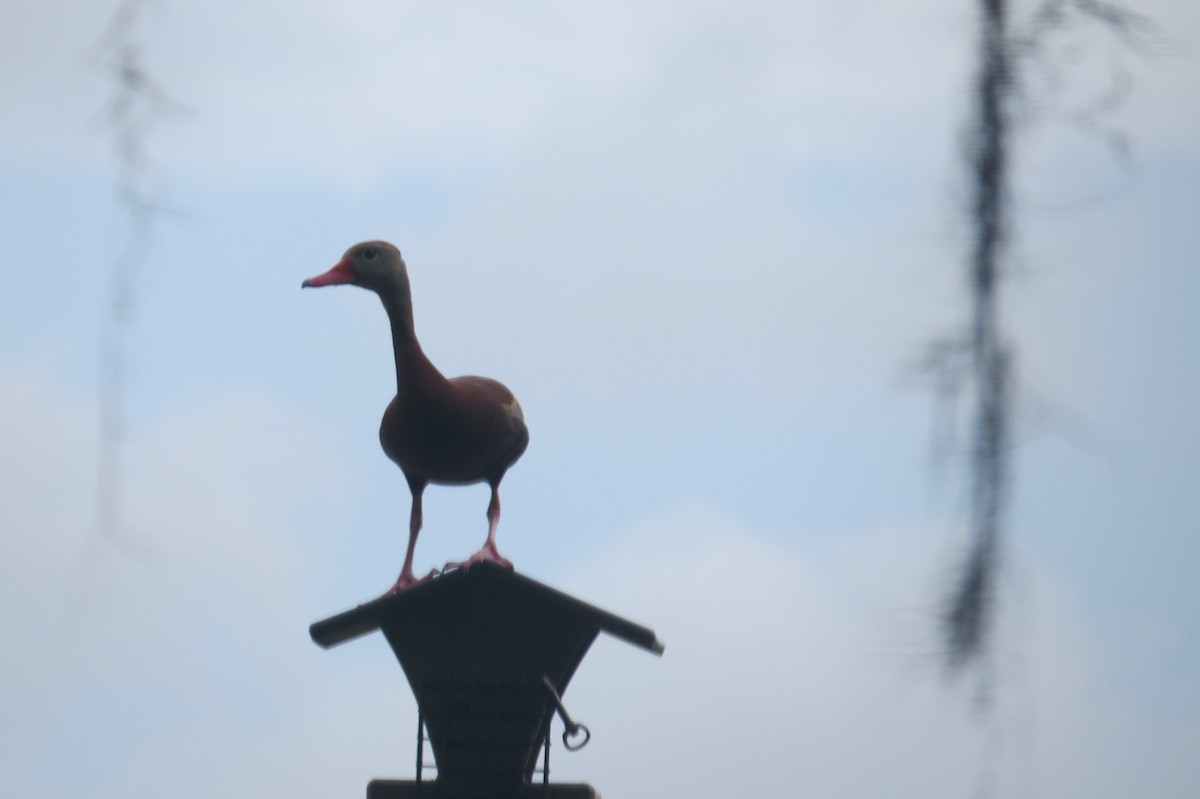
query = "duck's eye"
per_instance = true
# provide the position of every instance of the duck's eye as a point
(370, 253)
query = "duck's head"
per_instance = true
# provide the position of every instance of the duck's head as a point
(373, 265)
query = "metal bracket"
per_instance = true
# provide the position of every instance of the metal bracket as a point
(572, 728)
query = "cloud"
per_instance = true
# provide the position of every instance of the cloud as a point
(794, 669)
(771, 681)
(368, 91)
(698, 247)
(146, 669)
(791, 665)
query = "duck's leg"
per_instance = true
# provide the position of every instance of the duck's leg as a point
(406, 578)
(488, 551)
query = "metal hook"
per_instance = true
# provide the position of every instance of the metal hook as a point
(567, 733)
(572, 728)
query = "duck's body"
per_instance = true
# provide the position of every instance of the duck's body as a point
(455, 432)
(469, 431)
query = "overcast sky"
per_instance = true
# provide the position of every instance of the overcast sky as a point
(705, 244)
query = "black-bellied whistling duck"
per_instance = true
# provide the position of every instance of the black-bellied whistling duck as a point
(454, 432)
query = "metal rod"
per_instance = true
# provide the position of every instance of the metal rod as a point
(420, 739)
(546, 754)
(573, 728)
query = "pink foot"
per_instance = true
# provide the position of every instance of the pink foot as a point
(489, 553)
(407, 580)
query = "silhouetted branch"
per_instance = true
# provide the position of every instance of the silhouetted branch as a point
(138, 102)
(981, 363)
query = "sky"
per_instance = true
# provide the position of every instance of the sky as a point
(706, 245)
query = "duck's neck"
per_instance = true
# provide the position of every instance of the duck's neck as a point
(411, 364)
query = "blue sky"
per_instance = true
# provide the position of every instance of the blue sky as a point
(704, 244)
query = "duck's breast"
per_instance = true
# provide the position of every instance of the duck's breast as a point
(473, 430)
